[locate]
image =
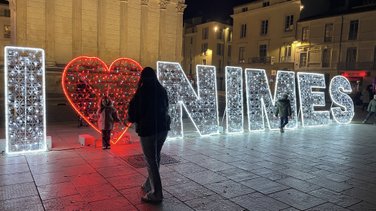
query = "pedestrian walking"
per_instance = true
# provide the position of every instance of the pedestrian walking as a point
(371, 110)
(283, 109)
(107, 116)
(365, 98)
(149, 110)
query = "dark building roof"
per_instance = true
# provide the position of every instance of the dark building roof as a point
(316, 9)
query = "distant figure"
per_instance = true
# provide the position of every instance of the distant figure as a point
(284, 111)
(149, 110)
(107, 116)
(371, 110)
(366, 98)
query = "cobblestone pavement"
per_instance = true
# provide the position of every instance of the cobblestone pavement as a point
(322, 168)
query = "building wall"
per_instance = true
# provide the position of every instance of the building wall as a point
(4, 25)
(105, 28)
(194, 54)
(362, 72)
(276, 39)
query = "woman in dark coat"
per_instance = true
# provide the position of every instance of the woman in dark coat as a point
(149, 110)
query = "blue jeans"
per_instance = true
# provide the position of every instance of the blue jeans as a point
(152, 146)
(284, 121)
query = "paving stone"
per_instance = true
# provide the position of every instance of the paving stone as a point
(229, 189)
(188, 191)
(334, 197)
(361, 194)
(10, 160)
(127, 181)
(98, 192)
(205, 177)
(56, 190)
(297, 199)
(237, 174)
(245, 165)
(14, 168)
(114, 171)
(298, 184)
(87, 180)
(297, 174)
(327, 207)
(26, 203)
(330, 184)
(363, 206)
(51, 178)
(186, 167)
(170, 204)
(259, 202)
(213, 202)
(174, 178)
(10, 179)
(264, 185)
(72, 202)
(275, 175)
(116, 203)
(337, 177)
(18, 191)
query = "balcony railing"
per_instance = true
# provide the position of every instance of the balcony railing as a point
(356, 66)
(259, 60)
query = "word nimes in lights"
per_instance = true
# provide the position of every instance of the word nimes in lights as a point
(202, 107)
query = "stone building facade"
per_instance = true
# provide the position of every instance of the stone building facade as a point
(144, 30)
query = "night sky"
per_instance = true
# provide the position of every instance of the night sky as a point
(211, 9)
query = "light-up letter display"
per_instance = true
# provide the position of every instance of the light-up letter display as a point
(260, 104)
(25, 114)
(234, 100)
(202, 108)
(338, 88)
(285, 84)
(309, 99)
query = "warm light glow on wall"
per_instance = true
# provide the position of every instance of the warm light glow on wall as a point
(202, 108)
(25, 107)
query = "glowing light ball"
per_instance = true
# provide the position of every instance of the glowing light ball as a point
(310, 99)
(202, 108)
(25, 107)
(344, 113)
(234, 100)
(86, 79)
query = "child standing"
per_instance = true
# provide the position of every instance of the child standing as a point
(107, 116)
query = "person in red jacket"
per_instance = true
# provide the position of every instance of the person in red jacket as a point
(149, 110)
(107, 116)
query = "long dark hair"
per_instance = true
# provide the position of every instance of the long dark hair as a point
(107, 102)
(148, 77)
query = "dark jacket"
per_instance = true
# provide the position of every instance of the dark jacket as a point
(283, 108)
(107, 117)
(149, 110)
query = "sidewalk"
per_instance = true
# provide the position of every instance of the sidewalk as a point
(323, 168)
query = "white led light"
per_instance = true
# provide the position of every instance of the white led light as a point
(338, 88)
(25, 113)
(261, 105)
(202, 108)
(234, 100)
(310, 99)
(285, 84)
(259, 100)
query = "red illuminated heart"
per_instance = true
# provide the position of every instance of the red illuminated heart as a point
(86, 79)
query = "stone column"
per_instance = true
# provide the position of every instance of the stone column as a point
(50, 32)
(124, 23)
(144, 37)
(76, 27)
(19, 22)
(101, 40)
(162, 29)
(179, 30)
(13, 20)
